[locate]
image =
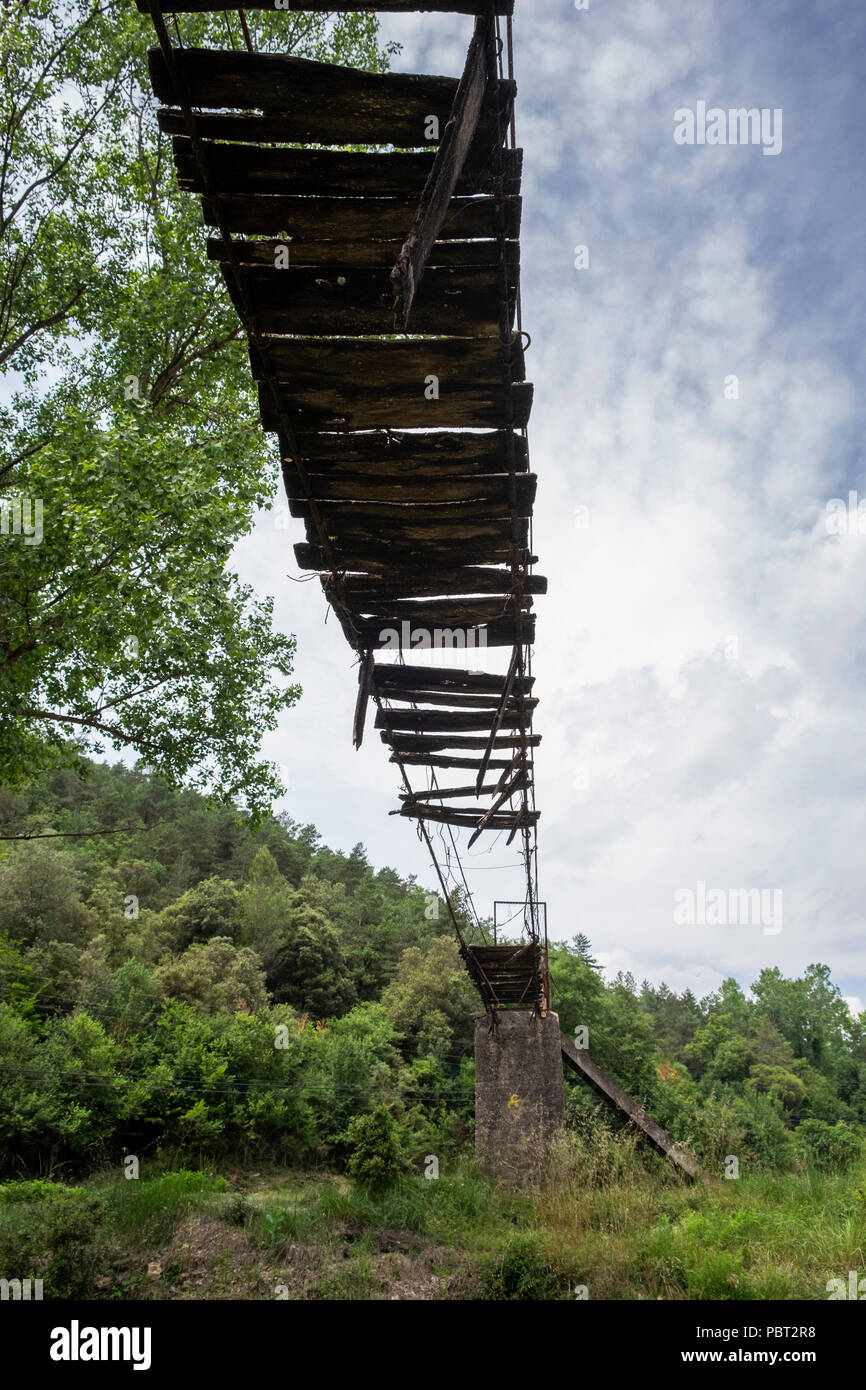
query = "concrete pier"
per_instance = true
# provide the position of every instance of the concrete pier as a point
(518, 1091)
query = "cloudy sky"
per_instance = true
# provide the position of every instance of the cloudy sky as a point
(700, 654)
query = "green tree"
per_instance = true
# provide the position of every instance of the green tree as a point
(134, 436)
(209, 909)
(431, 1000)
(216, 977)
(307, 969)
(376, 1159)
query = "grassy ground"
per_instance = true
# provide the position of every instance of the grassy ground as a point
(606, 1219)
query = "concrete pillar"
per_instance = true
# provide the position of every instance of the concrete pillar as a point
(518, 1091)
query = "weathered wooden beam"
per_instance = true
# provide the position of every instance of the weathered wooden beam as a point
(428, 455)
(419, 743)
(438, 760)
(351, 487)
(444, 177)
(518, 783)
(406, 534)
(371, 557)
(461, 581)
(365, 683)
(609, 1090)
(442, 794)
(438, 721)
(472, 612)
(446, 677)
(338, 256)
(348, 221)
(429, 513)
(504, 700)
(451, 699)
(403, 407)
(452, 301)
(239, 168)
(331, 125)
(352, 365)
(310, 103)
(468, 818)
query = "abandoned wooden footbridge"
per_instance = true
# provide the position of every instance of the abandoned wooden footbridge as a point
(367, 229)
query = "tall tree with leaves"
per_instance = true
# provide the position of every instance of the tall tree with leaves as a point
(131, 459)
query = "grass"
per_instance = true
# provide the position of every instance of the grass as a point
(605, 1218)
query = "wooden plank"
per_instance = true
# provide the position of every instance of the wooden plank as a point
(404, 408)
(349, 365)
(339, 513)
(439, 761)
(451, 301)
(427, 455)
(358, 592)
(511, 676)
(365, 556)
(446, 677)
(281, 83)
(418, 743)
(355, 220)
(342, 255)
(519, 783)
(406, 535)
(332, 124)
(360, 488)
(365, 682)
(311, 103)
(442, 182)
(267, 169)
(466, 612)
(442, 793)
(500, 7)
(397, 694)
(468, 818)
(436, 721)
(611, 1092)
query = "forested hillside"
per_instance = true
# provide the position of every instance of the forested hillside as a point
(177, 979)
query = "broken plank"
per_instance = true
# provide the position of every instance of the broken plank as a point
(365, 682)
(469, 818)
(353, 220)
(442, 677)
(232, 168)
(309, 102)
(308, 123)
(434, 760)
(443, 179)
(440, 794)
